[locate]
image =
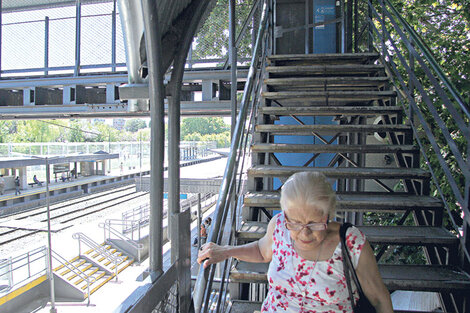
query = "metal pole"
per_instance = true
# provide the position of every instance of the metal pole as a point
(113, 38)
(199, 217)
(1, 39)
(78, 17)
(49, 241)
(157, 141)
(140, 165)
(46, 45)
(233, 64)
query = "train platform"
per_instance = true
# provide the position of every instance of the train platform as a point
(110, 295)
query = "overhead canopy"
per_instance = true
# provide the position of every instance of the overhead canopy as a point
(60, 159)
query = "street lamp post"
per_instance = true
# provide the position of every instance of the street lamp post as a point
(49, 241)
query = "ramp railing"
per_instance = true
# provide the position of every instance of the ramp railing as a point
(110, 228)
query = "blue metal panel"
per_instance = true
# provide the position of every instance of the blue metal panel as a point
(324, 37)
(299, 159)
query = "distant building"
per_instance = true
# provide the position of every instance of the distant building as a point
(98, 120)
(119, 123)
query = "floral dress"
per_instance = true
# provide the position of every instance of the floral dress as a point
(292, 285)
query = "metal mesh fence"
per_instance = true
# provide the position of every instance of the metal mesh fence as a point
(169, 304)
(23, 45)
(25, 34)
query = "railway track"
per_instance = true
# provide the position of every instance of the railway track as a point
(65, 214)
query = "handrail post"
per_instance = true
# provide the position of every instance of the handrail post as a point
(370, 37)
(29, 266)
(382, 23)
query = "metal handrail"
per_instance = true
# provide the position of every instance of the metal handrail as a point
(430, 58)
(29, 257)
(74, 270)
(108, 226)
(202, 285)
(82, 238)
(406, 92)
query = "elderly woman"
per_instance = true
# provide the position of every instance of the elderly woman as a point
(304, 250)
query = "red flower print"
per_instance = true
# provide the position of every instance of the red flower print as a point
(329, 292)
(329, 270)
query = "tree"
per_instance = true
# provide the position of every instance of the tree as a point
(212, 38)
(202, 126)
(135, 124)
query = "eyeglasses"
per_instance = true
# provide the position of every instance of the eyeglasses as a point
(311, 226)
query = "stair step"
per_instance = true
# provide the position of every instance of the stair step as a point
(324, 57)
(333, 148)
(337, 69)
(330, 95)
(340, 172)
(401, 235)
(396, 277)
(354, 202)
(331, 110)
(326, 82)
(277, 129)
(240, 306)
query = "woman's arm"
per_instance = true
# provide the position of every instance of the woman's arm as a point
(371, 281)
(257, 252)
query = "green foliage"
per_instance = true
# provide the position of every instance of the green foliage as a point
(202, 126)
(135, 124)
(212, 39)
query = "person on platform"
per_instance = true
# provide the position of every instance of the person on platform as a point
(303, 248)
(17, 186)
(2, 185)
(63, 177)
(36, 181)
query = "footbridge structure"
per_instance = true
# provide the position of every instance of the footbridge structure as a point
(346, 88)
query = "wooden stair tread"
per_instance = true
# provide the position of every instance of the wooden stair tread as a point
(251, 230)
(395, 277)
(320, 69)
(240, 306)
(331, 95)
(333, 148)
(340, 172)
(270, 199)
(322, 56)
(329, 129)
(326, 81)
(331, 110)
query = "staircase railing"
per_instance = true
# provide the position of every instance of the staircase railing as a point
(435, 109)
(111, 232)
(82, 238)
(72, 268)
(18, 269)
(233, 176)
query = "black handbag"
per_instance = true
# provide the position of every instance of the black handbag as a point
(362, 305)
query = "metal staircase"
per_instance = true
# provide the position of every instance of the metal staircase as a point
(353, 90)
(89, 271)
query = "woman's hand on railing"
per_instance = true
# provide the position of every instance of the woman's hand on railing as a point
(211, 253)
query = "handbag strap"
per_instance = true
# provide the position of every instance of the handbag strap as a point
(347, 263)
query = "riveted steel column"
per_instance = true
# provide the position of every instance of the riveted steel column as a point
(157, 141)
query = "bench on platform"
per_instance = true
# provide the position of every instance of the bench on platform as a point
(34, 183)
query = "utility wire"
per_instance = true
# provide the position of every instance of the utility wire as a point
(84, 131)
